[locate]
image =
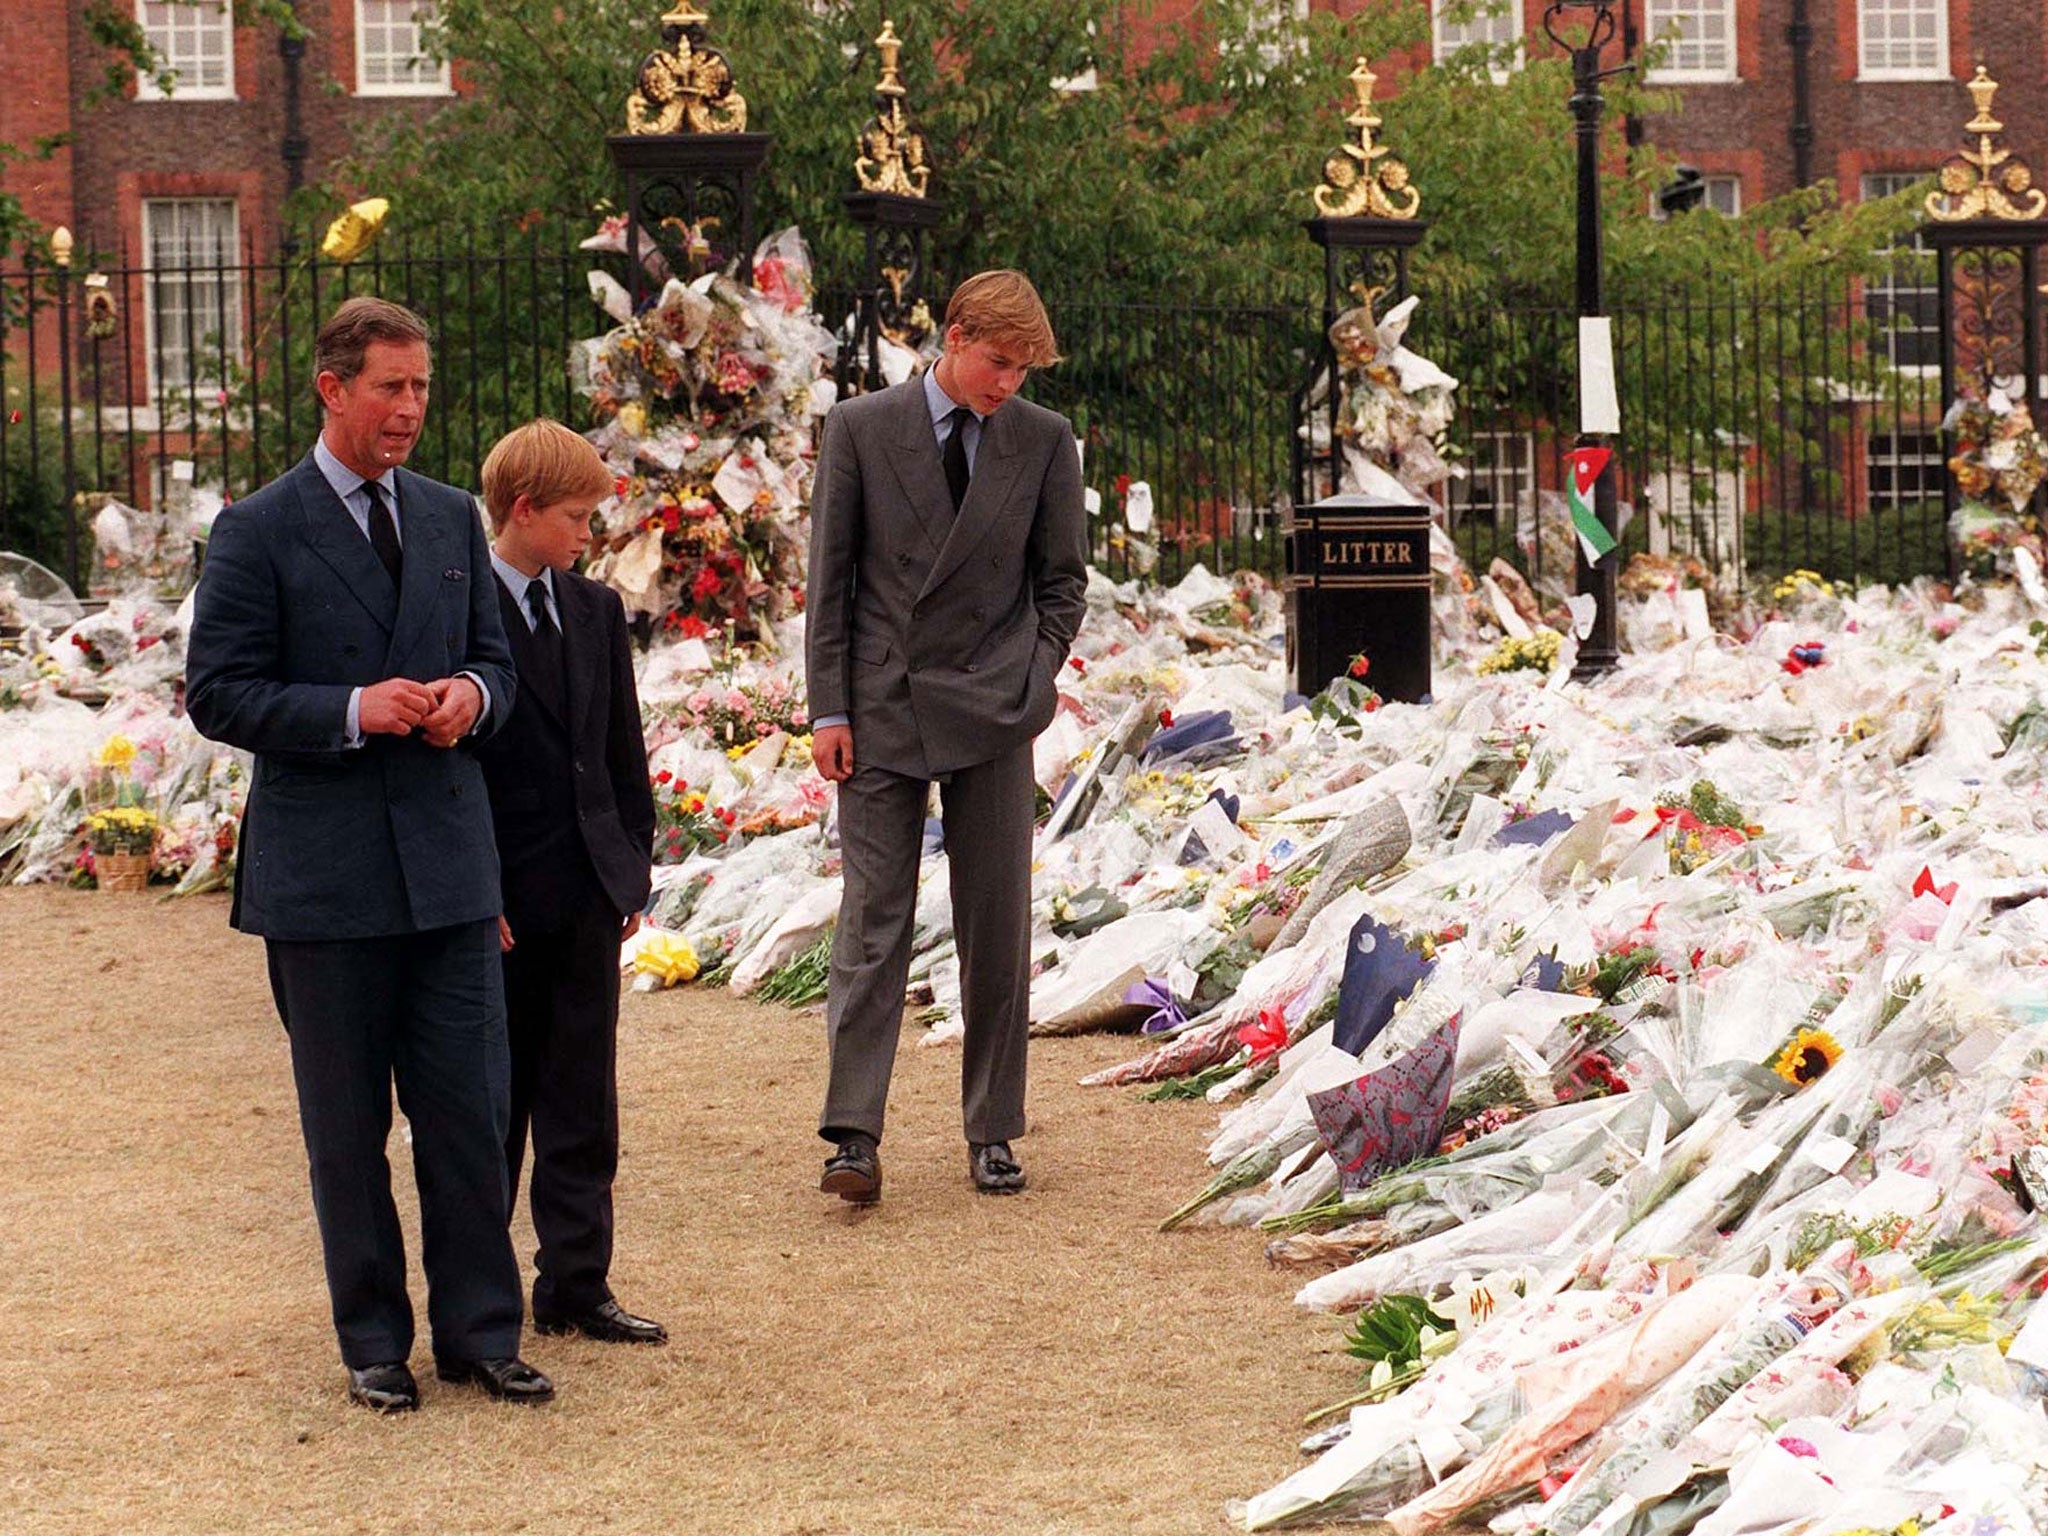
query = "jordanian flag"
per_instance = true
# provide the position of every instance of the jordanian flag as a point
(1585, 465)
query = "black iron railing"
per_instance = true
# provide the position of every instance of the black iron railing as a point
(1762, 431)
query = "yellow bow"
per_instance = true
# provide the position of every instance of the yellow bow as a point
(668, 958)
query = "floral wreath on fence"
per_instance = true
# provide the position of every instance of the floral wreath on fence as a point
(1999, 456)
(707, 403)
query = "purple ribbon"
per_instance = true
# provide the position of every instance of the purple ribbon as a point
(1155, 994)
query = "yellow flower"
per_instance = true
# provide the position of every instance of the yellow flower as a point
(350, 234)
(121, 829)
(117, 752)
(1806, 1056)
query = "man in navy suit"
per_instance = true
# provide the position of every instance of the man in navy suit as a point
(346, 631)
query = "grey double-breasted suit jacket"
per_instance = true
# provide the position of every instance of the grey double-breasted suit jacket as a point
(942, 635)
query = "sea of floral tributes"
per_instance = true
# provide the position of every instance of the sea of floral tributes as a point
(1650, 1077)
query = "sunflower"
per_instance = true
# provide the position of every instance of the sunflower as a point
(1806, 1056)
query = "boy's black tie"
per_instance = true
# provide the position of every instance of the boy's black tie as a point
(955, 456)
(547, 638)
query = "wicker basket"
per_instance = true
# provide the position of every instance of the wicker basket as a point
(121, 871)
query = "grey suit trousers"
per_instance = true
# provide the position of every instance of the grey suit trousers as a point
(988, 812)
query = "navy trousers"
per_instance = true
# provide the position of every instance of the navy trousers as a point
(426, 1010)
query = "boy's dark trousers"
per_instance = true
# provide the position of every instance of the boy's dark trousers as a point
(574, 818)
(562, 1013)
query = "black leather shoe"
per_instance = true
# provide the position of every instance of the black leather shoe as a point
(607, 1322)
(995, 1171)
(385, 1388)
(854, 1172)
(509, 1381)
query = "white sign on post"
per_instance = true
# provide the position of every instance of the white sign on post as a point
(1599, 404)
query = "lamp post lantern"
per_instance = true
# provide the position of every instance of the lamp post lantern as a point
(1600, 650)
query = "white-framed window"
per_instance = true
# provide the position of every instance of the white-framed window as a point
(1494, 25)
(192, 297)
(1902, 39)
(391, 56)
(1720, 193)
(1697, 36)
(1500, 468)
(1273, 36)
(1905, 302)
(1905, 468)
(195, 41)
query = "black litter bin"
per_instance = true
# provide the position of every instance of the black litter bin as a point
(1358, 585)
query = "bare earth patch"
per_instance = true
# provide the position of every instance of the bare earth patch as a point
(944, 1363)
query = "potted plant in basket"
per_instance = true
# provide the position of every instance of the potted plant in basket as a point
(121, 838)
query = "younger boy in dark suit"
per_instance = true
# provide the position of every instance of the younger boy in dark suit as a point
(574, 818)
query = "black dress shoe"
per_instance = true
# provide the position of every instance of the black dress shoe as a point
(509, 1381)
(385, 1388)
(995, 1171)
(607, 1322)
(854, 1172)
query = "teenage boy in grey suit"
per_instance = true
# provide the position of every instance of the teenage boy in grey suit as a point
(346, 631)
(947, 580)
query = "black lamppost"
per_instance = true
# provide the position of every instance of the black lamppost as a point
(1601, 649)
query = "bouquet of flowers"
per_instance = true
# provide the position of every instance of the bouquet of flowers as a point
(706, 401)
(1997, 448)
(1537, 653)
(1393, 406)
(738, 714)
(1986, 537)
(685, 822)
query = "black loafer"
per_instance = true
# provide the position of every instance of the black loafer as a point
(384, 1388)
(854, 1172)
(509, 1381)
(995, 1171)
(607, 1322)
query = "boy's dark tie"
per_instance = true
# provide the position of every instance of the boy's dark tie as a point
(547, 639)
(384, 533)
(955, 456)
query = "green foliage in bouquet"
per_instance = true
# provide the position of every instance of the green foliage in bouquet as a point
(1391, 1329)
(801, 979)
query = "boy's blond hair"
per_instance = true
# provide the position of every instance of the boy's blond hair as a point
(545, 462)
(1003, 308)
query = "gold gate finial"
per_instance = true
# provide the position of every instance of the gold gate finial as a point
(1985, 180)
(1353, 185)
(891, 153)
(685, 86)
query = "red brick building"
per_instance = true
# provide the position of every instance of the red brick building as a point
(197, 175)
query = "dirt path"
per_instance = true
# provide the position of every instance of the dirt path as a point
(944, 1363)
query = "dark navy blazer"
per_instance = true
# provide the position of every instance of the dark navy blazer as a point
(294, 611)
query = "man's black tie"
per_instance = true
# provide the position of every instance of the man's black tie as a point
(384, 532)
(955, 456)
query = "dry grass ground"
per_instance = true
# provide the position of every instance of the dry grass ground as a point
(943, 1363)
